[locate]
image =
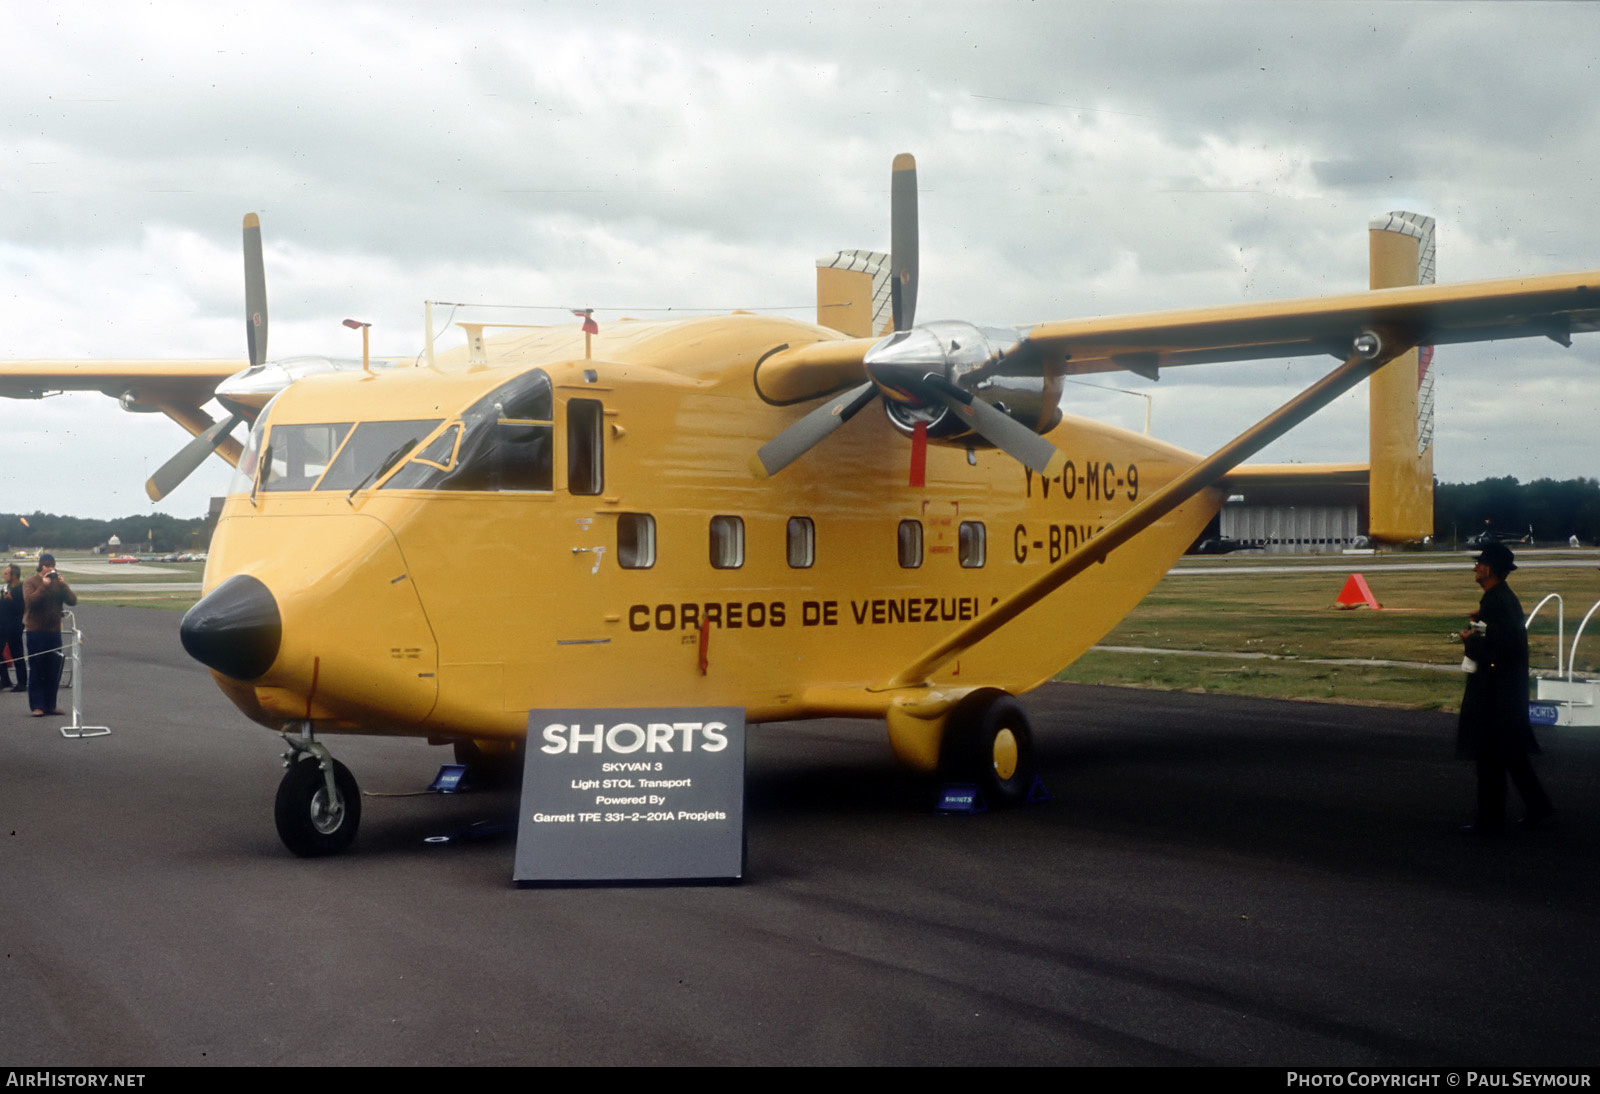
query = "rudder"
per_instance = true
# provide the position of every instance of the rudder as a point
(1400, 395)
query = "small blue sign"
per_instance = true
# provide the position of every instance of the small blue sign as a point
(1543, 714)
(448, 780)
(960, 798)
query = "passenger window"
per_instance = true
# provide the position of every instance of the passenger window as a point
(727, 542)
(972, 545)
(910, 544)
(585, 454)
(298, 454)
(802, 543)
(636, 541)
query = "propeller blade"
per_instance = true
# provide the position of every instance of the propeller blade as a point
(255, 291)
(170, 474)
(903, 241)
(810, 431)
(1000, 429)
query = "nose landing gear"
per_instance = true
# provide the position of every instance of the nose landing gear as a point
(318, 807)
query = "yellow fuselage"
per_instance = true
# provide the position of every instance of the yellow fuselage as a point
(450, 613)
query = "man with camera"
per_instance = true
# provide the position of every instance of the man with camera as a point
(46, 595)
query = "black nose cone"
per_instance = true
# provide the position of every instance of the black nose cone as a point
(236, 629)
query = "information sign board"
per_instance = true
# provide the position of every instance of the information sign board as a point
(632, 794)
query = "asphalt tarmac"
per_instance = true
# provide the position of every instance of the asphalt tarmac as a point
(1215, 881)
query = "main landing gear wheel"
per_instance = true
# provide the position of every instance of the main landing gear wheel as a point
(312, 822)
(987, 741)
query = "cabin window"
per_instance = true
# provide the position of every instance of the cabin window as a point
(297, 455)
(727, 542)
(972, 546)
(506, 443)
(910, 544)
(802, 538)
(585, 454)
(636, 541)
(372, 450)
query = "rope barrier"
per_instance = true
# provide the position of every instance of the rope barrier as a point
(62, 650)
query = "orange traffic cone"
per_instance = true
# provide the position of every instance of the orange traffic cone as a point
(1356, 594)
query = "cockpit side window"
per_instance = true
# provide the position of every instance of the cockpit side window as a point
(441, 451)
(503, 442)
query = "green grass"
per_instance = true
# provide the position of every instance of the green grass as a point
(1290, 618)
(1361, 685)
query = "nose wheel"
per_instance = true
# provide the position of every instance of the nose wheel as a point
(318, 807)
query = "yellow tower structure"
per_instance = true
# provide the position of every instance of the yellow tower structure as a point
(1400, 395)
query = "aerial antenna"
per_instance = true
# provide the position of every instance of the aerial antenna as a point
(356, 324)
(590, 327)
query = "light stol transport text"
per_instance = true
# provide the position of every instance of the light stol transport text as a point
(703, 512)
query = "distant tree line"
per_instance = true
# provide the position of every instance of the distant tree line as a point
(1554, 510)
(47, 530)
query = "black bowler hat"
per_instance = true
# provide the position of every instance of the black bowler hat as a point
(1498, 557)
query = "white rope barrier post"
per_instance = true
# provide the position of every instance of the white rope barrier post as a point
(75, 665)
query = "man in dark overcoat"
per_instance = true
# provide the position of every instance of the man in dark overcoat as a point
(1494, 728)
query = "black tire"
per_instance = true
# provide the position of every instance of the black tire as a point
(987, 741)
(305, 824)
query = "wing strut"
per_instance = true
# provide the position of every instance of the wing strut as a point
(1369, 352)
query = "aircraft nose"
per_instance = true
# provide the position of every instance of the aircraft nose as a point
(236, 629)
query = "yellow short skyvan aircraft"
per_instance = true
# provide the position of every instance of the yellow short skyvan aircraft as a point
(698, 513)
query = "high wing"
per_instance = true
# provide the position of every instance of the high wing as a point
(139, 385)
(177, 389)
(1555, 306)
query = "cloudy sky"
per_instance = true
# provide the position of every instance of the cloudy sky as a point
(1074, 159)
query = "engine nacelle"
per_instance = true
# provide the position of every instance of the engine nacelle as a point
(248, 390)
(961, 354)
